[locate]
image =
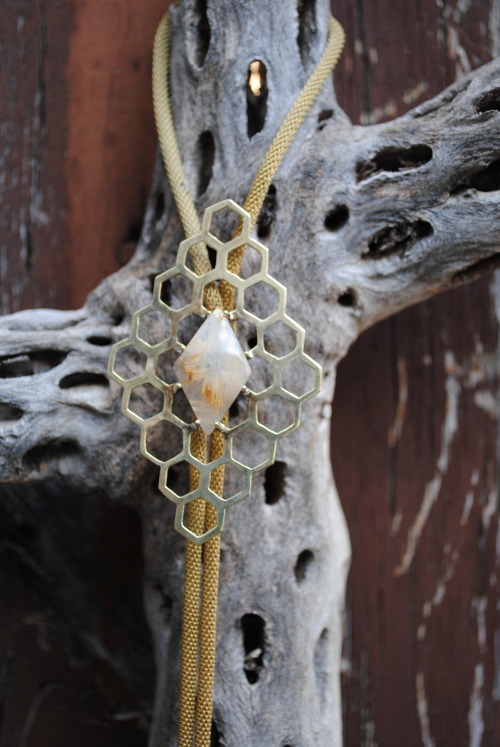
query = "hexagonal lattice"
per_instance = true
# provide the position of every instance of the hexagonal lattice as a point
(282, 378)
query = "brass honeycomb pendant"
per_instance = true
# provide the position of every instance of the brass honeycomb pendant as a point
(209, 367)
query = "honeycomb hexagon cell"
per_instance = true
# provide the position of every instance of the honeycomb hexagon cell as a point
(164, 366)
(282, 339)
(188, 327)
(262, 376)
(162, 442)
(236, 485)
(152, 326)
(126, 362)
(263, 299)
(301, 377)
(144, 402)
(181, 409)
(252, 449)
(277, 414)
(252, 263)
(198, 539)
(175, 482)
(239, 411)
(176, 291)
(226, 221)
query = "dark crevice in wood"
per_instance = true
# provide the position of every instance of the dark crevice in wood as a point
(159, 205)
(394, 158)
(252, 628)
(133, 233)
(489, 101)
(308, 28)
(274, 482)
(267, 214)
(178, 478)
(257, 93)
(348, 299)
(302, 565)
(216, 739)
(200, 40)
(324, 115)
(476, 270)
(336, 218)
(486, 180)
(397, 239)
(323, 118)
(50, 454)
(9, 413)
(206, 155)
(83, 378)
(117, 315)
(30, 364)
(99, 340)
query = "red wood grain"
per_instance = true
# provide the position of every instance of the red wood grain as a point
(422, 652)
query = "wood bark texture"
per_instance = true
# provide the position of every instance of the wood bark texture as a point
(361, 221)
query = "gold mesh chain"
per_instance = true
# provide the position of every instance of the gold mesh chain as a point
(202, 563)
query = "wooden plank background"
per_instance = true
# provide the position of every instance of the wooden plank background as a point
(415, 430)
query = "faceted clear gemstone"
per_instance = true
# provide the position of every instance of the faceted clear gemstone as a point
(212, 370)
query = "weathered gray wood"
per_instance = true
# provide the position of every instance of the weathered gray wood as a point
(364, 221)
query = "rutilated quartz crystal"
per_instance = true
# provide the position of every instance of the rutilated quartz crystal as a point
(212, 369)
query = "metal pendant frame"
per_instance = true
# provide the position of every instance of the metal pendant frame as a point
(254, 420)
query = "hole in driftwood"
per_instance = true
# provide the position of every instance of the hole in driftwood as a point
(215, 736)
(159, 205)
(308, 28)
(30, 364)
(83, 378)
(256, 97)
(274, 482)
(133, 233)
(117, 316)
(267, 214)
(394, 159)
(489, 101)
(476, 270)
(200, 40)
(303, 564)
(50, 454)
(9, 413)
(487, 180)
(99, 340)
(397, 239)
(348, 298)
(336, 218)
(324, 115)
(206, 154)
(252, 627)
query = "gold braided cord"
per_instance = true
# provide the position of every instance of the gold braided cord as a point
(191, 606)
(201, 575)
(209, 597)
(172, 157)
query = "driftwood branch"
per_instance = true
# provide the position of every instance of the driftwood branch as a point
(361, 222)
